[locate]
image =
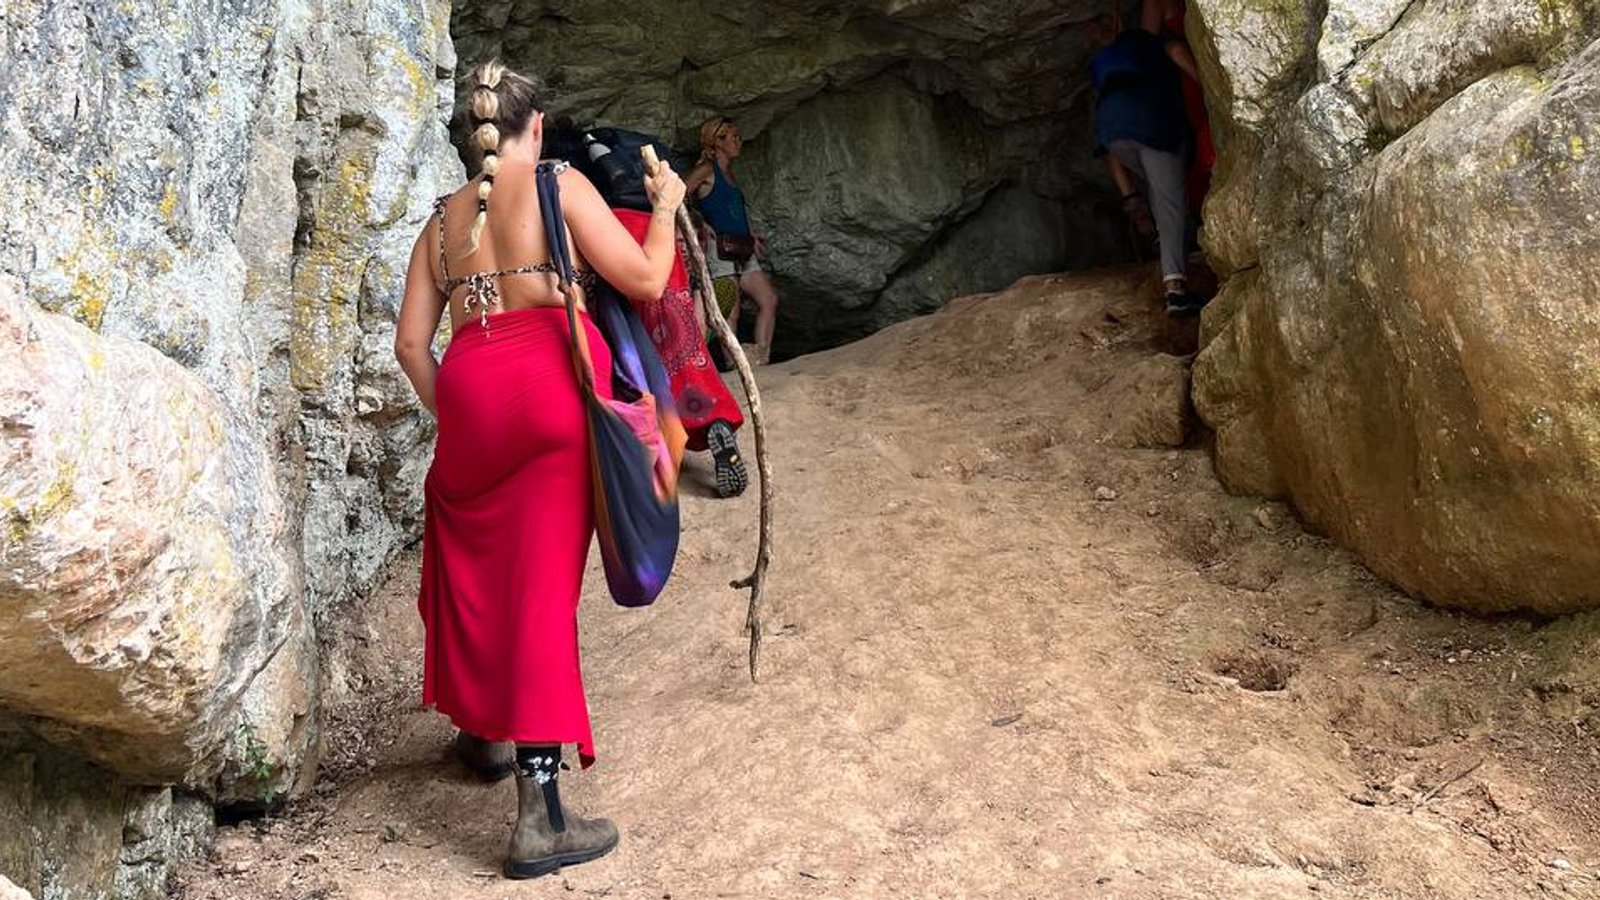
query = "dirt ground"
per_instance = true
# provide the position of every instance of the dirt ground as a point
(1010, 654)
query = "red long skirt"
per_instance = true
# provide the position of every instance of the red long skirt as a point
(508, 524)
(697, 389)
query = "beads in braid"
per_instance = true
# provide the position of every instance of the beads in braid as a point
(501, 106)
(486, 111)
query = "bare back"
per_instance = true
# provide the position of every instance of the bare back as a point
(511, 269)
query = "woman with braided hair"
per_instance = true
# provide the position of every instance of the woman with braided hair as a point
(509, 514)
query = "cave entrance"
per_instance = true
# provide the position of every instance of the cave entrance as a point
(897, 156)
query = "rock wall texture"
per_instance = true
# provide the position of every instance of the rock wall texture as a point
(1408, 345)
(205, 214)
(72, 831)
(143, 567)
(899, 153)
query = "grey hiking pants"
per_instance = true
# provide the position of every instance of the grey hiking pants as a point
(1164, 173)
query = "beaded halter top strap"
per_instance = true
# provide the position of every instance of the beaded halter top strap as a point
(483, 288)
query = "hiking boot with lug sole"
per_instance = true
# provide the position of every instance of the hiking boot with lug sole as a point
(489, 761)
(729, 469)
(546, 840)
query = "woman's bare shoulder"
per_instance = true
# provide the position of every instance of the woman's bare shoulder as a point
(571, 177)
(698, 181)
(425, 253)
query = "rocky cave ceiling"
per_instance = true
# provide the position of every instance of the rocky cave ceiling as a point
(900, 153)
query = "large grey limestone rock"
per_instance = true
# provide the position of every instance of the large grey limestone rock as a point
(236, 188)
(884, 203)
(375, 99)
(1408, 346)
(221, 451)
(72, 831)
(976, 252)
(137, 574)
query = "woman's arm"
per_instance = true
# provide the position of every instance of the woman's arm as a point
(640, 273)
(420, 310)
(1183, 58)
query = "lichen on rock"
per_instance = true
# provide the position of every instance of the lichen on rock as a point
(222, 198)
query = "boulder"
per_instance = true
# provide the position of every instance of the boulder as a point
(207, 213)
(838, 235)
(1408, 347)
(74, 830)
(227, 198)
(132, 532)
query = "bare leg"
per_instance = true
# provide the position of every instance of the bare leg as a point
(758, 285)
(1121, 176)
(1133, 204)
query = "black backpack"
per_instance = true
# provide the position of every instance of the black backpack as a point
(611, 159)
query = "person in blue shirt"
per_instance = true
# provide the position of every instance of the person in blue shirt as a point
(1141, 127)
(722, 204)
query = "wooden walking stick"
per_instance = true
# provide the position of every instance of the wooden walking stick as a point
(756, 581)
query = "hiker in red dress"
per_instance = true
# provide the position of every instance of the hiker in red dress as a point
(509, 511)
(707, 408)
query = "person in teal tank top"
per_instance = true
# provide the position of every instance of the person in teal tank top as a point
(738, 251)
(723, 205)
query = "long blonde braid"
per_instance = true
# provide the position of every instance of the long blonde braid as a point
(486, 111)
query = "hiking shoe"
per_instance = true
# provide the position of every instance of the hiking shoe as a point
(1183, 304)
(490, 761)
(728, 466)
(754, 354)
(546, 839)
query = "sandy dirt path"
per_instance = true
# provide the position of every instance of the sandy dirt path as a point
(1012, 653)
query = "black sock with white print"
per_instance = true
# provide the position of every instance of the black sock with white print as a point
(542, 764)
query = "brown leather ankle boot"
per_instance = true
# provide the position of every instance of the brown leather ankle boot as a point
(545, 839)
(489, 760)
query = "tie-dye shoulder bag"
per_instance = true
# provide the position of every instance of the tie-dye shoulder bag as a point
(636, 440)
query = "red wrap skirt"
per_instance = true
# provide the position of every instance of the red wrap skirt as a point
(508, 524)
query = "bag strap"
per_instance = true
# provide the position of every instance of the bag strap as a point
(546, 179)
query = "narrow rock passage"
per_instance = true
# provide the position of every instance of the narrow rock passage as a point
(1014, 653)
